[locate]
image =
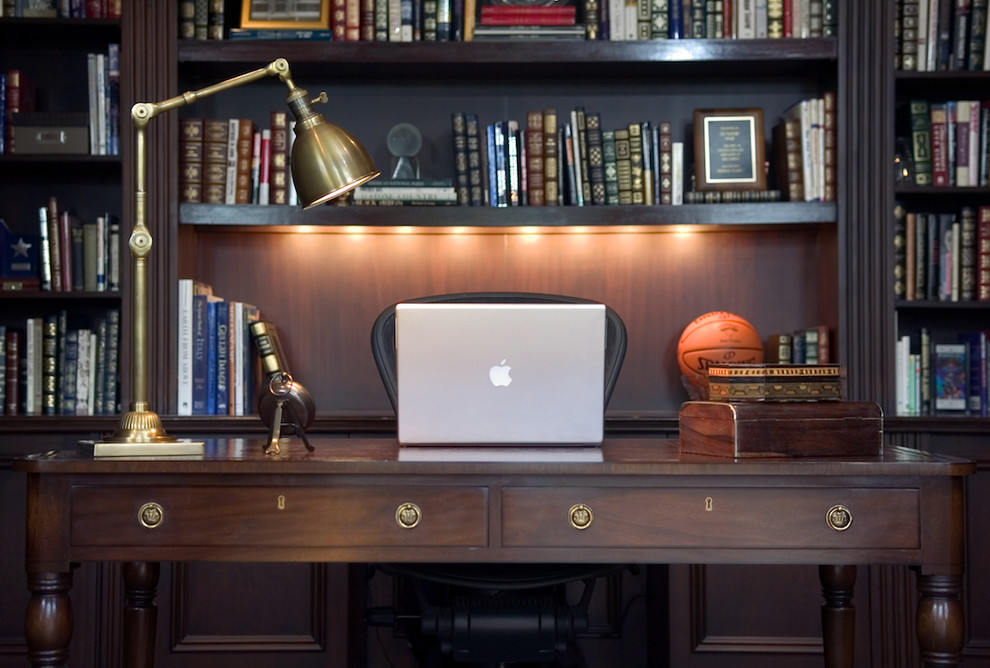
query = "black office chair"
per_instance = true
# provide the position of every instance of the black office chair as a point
(491, 614)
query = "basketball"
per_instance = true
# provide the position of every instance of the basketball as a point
(718, 337)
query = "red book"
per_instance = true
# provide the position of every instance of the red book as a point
(788, 18)
(547, 16)
(94, 9)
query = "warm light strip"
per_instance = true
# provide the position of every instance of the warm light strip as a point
(468, 230)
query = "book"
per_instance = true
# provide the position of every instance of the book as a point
(33, 365)
(215, 134)
(829, 135)
(278, 173)
(596, 160)
(12, 372)
(623, 166)
(112, 376)
(221, 317)
(230, 184)
(983, 253)
(636, 163)
(534, 158)
(788, 159)
(264, 334)
(512, 153)
(940, 143)
(475, 173)
(459, 134)
(191, 160)
(779, 348)
(976, 381)
(112, 109)
(242, 34)
(200, 353)
(920, 116)
(950, 369)
(187, 289)
(264, 167)
(551, 180)
(3, 362)
(665, 161)
(244, 154)
(55, 244)
(967, 253)
(609, 167)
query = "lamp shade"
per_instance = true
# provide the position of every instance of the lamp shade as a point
(327, 162)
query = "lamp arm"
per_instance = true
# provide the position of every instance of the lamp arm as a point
(140, 240)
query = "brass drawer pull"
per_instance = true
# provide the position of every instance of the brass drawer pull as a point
(581, 516)
(151, 515)
(408, 515)
(839, 518)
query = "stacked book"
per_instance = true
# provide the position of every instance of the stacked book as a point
(406, 192)
(804, 150)
(508, 21)
(216, 363)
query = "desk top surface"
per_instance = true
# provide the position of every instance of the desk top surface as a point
(366, 455)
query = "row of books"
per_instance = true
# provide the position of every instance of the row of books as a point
(61, 364)
(95, 131)
(201, 19)
(234, 161)
(942, 377)
(938, 35)
(942, 256)
(216, 363)
(804, 150)
(950, 143)
(809, 345)
(617, 20)
(70, 254)
(63, 9)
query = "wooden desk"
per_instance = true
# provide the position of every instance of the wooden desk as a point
(352, 501)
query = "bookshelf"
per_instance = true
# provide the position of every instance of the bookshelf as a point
(322, 276)
(51, 54)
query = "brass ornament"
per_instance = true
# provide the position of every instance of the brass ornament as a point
(408, 515)
(151, 515)
(580, 516)
(838, 518)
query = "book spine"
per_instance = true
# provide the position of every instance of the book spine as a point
(367, 28)
(664, 146)
(49, 362)
(222, 346)
(909, 34)
(921, 141)
(3, 365)
(921, 261)
(191, 160)
(534, 158)
(199, 354)
(610, 168)
(113, 99)
(623, 166)
(54, 245)
(264, 183)
(939, 135)
(211, 357)
(245, 147)
(983, 253)
(78, 258)
(44, 252)
(230, 184)
(214, 160)
(100, 367)
(459, 134)
(596, 159)
(278, 173)
(830, 163)
(551, 181)
(960, 35)
(961, 129)
(475, 174)
(112, 377)
(967, 254)
(512, 162)
(184, 354)
(12, 363)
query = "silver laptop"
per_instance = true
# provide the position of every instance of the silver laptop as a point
(500, 373)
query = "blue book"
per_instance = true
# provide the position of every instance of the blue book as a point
(676, 22)
(222, 347)
(976, 343)
(492, 175)
(199, 354)
(211, 357)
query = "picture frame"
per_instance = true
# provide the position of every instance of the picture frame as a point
(285, 14)
(729, 149)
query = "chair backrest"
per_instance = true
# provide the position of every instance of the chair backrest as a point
(383, 332)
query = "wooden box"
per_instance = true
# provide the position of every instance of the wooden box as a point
(784, 429)
(775, 382)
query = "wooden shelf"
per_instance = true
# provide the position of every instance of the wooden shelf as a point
(67, 297)
(756, 214)
(771, 57)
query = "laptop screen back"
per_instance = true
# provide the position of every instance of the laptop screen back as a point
(500, 373)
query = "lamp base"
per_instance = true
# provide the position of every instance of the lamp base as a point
(140, 434)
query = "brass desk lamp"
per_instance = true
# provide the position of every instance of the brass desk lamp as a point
(326, 163)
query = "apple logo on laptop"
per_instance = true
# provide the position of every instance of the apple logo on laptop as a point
(499, 374)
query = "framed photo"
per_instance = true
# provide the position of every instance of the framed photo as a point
(301, 14)
(729, 149)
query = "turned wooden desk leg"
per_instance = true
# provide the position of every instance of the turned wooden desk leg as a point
(140, 613)
(838, 615)
(940, 619)
(48, 621)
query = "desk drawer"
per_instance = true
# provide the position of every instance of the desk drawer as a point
(280, 516)
(705, 517)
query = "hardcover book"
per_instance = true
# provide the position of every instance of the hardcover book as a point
(921, 142)
(278, 173)
(950, 366)
(191, 160)
(215, 132)
(534, 158)
(551, 181)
